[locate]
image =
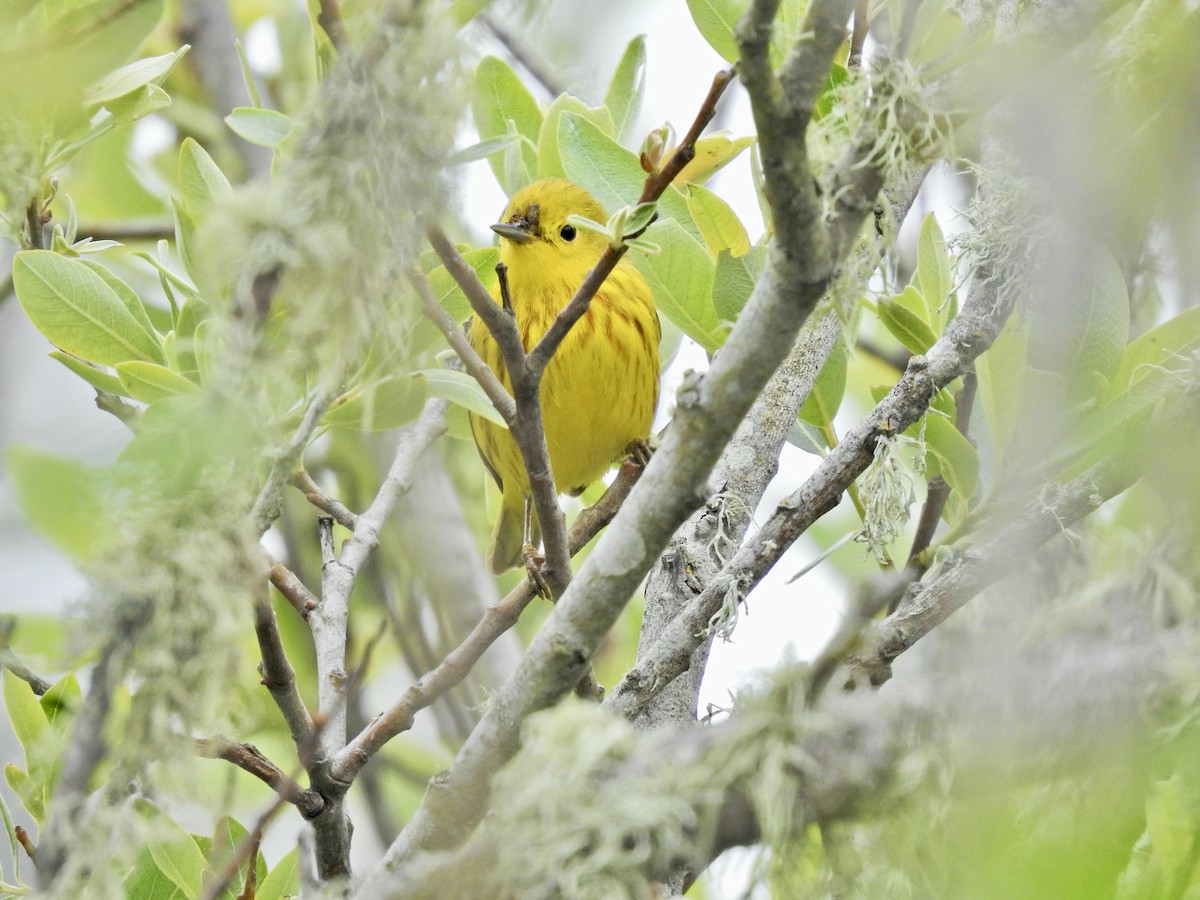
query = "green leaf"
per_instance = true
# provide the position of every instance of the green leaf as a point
(265, 127)
(139, 104)
(933, 269)
(827, 392)
(713, 153)
(148, 382)
(63, 500)
(718, 223)
(133, 77)
(484, 149)
(28, 791)
(460, 388)
(201, 181)
(97, 378)
(451, 296)
(1169, 823)
(1154, 350)
(61, 702)
(498, 99)
(1080, 324)
(148, 882)
(185, 235)
(716, 20)
(175, 851)
(951, 455)
(283, 880)
(611, 173)
(550, 162)
(681, 277)
(128, 296)
(734, 280)
(26, 716)
(379, 406)
(624, 98)
(838, 75)
(227, 839)
(1000, 371)
(906, 316)
(77, 310)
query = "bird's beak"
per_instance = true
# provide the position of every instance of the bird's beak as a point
(518, 234)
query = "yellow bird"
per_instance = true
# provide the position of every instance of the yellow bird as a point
(600, 389)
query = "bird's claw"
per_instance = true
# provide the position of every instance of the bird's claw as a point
(534, 562)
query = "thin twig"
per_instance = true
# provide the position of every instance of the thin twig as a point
(293, 589)
(517, 51)
(313, 494)
(26, 843)
(250, 759)
(267, 505)
(8, 659)
(858, 37)
(278, 676)
(331, 22)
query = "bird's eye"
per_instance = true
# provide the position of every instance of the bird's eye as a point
(568, 232)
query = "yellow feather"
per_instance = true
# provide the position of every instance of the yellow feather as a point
(601, 387)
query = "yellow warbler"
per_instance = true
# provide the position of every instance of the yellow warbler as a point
(599, 391)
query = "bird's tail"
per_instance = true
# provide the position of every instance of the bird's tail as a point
(509, 535)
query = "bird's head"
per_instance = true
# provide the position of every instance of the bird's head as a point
(535, 226)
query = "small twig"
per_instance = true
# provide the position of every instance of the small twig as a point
(129, 232)
(250, 886)
(331, 22)
(518, 52)
(472, 362)
(129, 415)
(313, 494)
(858, 37)
(939, 491)
(250, 759)
(8, 659)
(278, 676)
(26, 843)
(293, 589)
(270, 499)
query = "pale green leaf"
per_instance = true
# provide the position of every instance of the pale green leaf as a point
(62, 701)
(826, 396)
(500, 98)
(100, 379)
(133, 77)
(933, 268)
(718, 223)
(734, 280)
(716, 20)
(1000, 372)
(713, 153)
(175, 851)
(28, 791)
(264, 127)
(681, 278)
(1159, 348)
(27, 718)
(148, 382)
(906, 316)
(283, 880)
(380, 405)
(460, 388)
(128, 296)
(951, 455)
(550, 156)
(63, 500)
(77, 310)
(201, 181)
(625, 91)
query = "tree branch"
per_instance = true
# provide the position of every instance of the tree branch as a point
(250, 759)
(965, 338)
